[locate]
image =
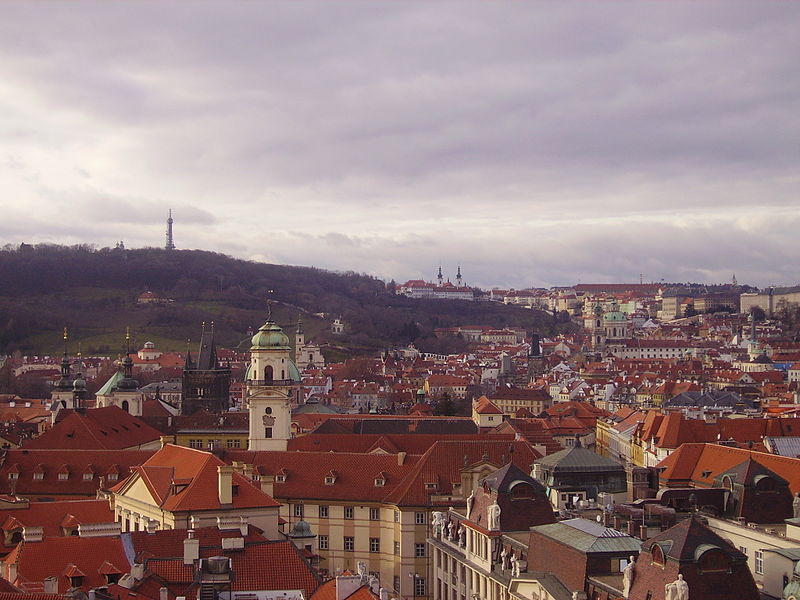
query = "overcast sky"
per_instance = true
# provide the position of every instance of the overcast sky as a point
(533, 144)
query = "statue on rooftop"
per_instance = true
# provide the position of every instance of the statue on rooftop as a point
(438, 522)
(628, 576)
(677, 590)
(796, 506)
(493, 514)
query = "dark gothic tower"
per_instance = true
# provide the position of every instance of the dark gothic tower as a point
(440, 276)
(458, 276)
(206, 384)
(170, 242)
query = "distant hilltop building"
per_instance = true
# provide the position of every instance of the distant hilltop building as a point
(441, 290)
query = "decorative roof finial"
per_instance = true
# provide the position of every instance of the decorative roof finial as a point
(269, 304)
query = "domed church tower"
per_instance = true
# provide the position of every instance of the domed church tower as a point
(269, 380)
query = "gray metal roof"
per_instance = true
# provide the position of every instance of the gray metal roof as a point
(784, 445)
(578, 458)
(588, 536)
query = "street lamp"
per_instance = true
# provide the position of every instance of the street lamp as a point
(414, 577)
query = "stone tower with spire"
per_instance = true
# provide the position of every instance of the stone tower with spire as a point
(458, 277)
(61, 395)
(122, 389)
(206, 383)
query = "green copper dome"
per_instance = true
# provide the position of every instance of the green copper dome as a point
(270, 336)
(614, 316)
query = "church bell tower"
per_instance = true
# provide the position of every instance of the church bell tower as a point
(269, 381)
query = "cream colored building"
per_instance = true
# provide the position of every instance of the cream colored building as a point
(183, 488)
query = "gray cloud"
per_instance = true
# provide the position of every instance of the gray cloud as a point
(532, 143)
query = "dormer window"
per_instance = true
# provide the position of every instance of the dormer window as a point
(88, 476)
(13, 476)
(39, 475)
(112, 476)
(379, 482)
(63, 476)
(431, 485)
(280, 478)
(329, 480)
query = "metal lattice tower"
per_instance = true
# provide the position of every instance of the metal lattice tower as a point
(170, 242)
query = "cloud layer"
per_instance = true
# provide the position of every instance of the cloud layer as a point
(533, 144)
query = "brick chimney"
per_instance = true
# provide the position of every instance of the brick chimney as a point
(225, 478)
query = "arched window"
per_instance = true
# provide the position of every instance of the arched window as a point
(714, 560)
(657, 553)
(268, 410)
(268, 373)
(125, 406)
(521, 491)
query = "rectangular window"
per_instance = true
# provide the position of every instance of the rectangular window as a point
(40, 475)
(419, 586)
(234, 443)
(397, 548)
(374, 544)
(268, 432)
(419, 518)
(759, 558)
(196, 444)
(349, 543)
(88, 476)
(419, 550)
(298, 510)
(348, 512)
(323, 542)
(323, 511)
(374, 514)
(743, 550)
(13, 475)
(63, 476)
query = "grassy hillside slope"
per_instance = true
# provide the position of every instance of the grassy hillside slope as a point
(94, 292)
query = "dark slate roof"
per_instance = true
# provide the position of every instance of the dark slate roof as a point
(710, 398)
(682, 541)
(579, 459)
(746, 472)
(505, 478)
(207, 357)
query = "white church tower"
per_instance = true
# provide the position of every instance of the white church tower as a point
(269, 380)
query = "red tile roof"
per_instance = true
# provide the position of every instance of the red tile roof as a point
(198, 470)
(108, 428)
(48, 463)
(699, 464)
(52, 516)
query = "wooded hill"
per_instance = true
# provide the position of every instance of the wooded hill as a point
(94, 293)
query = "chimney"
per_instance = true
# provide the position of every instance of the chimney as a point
(32, 534)
(50, 585)
(268, 484)
(225, 477)
(401, 458)
(163, 594)
(642, 532)
(12, 572)
(346, 585)
(191, 548)
(137, 571)
(91, 595)
(167, 439)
